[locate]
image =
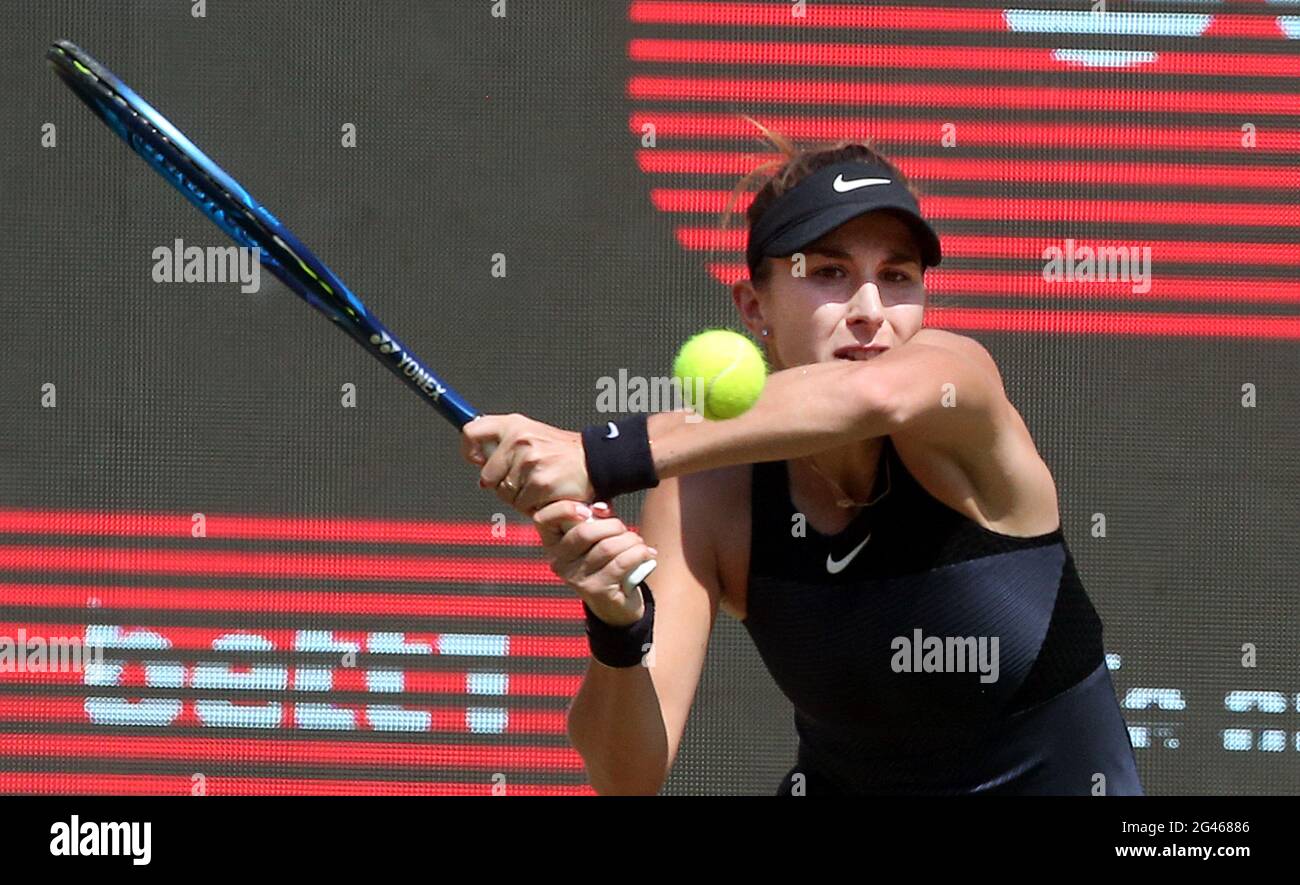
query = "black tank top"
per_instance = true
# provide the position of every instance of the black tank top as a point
(913, 643)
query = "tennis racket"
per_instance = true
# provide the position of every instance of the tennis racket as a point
(228, 205)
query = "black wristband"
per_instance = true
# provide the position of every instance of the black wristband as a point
(618, 457)
(621, 646)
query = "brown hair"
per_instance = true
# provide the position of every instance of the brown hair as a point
(796, 164)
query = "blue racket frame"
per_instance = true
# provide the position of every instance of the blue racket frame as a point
(229, 206)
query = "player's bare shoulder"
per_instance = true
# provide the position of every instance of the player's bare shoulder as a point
(1008, 487)
(967, 347)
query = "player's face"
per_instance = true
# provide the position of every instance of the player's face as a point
(861, 291)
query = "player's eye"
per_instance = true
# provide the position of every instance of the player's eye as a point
(830, 272)
(894, 275)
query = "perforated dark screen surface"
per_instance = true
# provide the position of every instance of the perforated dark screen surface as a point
(331, 529)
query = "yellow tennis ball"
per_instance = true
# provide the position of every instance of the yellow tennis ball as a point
(723, 366)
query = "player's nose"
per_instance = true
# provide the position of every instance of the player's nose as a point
(865, 306)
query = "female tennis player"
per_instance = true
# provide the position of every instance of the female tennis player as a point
(880, 521)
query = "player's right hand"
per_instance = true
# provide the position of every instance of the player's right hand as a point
(593, 556)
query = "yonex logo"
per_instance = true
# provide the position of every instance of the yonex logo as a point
(384, 343)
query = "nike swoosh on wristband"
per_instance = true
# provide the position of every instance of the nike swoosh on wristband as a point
(843, 187)
(833, 567)
(613, 431)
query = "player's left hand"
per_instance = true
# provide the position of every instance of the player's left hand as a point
(533, 463)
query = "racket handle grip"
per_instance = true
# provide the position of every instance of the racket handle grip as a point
(635, 577)
(638, 575)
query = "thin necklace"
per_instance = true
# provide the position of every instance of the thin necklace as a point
(843, 500)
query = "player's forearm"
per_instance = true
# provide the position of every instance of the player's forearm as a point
(801, 411)
(616, 725)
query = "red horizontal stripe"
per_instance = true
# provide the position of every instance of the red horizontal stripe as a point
(979, 58)
(1098, 322)
(288, 752)
(1032, 248)
(261, 564)
(549, 685)
(1095, 322)
(445, 720)
(866, 16)
(977, 282)
(1030, 284)
(922, 169)
(530, 646)
(968, 132)
(46, 631)
(816, 15)
(345, 679)
(415, 604)
(1248, 26)
(949, 95)
(87, 783)
(1023, 209)
(201, 640)
(520, 685)
(37, 708)
(222, 526)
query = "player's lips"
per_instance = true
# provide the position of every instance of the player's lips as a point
(860, 351)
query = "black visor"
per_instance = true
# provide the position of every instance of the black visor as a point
(828, 198)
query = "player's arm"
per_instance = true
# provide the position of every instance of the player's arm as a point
(937, 385)
(627, 723)
(941, 389)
